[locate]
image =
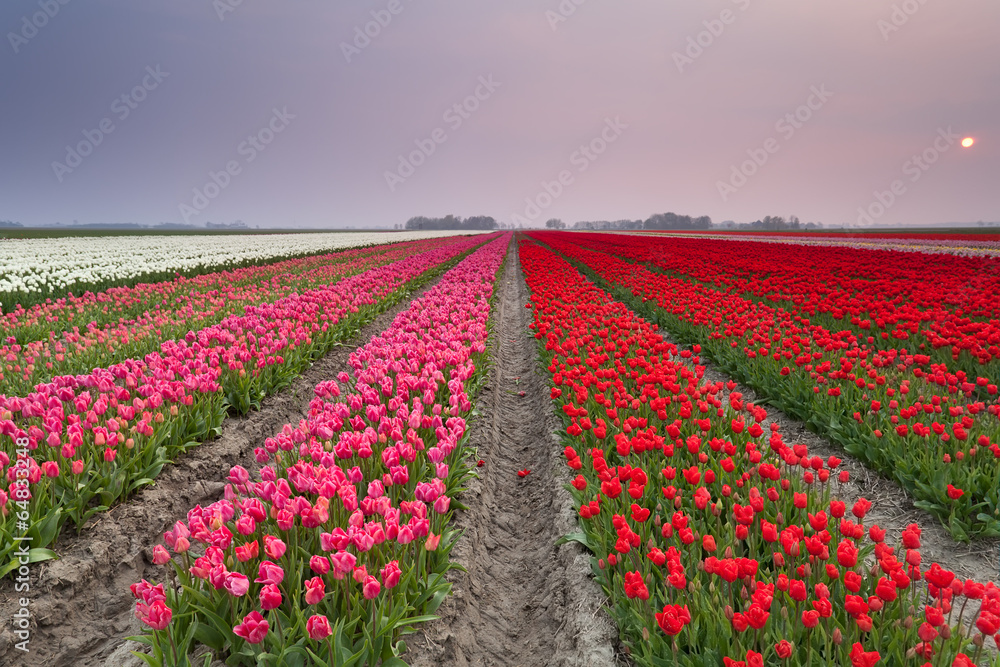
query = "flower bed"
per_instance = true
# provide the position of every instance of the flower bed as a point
(342, 543)
(934, 431)
(80, 443)
(717, 542)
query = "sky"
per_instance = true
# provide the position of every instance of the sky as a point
(332, 113)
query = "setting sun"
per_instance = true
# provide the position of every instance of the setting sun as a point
(967, 142)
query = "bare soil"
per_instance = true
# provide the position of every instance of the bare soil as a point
(81, 606)
(522, 600)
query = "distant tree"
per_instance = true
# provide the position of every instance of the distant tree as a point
(555, 223)
(675, 221)
(451, 222)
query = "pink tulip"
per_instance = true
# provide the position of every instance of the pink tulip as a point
(274, 547)
(318, 627)
(391, 574)
(319, 565)
(371, 588)
(270, 597)
(315, 590)
(156, 615)
(269, 573)
(237, 584)
(160, 555)
(253, 628)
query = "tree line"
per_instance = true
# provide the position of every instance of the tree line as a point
(451, 222)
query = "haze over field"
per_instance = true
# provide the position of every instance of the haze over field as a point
(283, 114)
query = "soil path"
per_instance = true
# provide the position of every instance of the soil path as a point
(522, 600)
(81, 605)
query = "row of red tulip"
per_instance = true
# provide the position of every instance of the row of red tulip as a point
(937, 433)
(717, 541)
(943, 306)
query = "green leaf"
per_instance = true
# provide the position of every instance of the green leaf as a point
(138, 483)
(575, 537)
(39, 555)
(210, 637)
(148, 659)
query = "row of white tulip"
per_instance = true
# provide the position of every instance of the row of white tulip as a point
(57, 264)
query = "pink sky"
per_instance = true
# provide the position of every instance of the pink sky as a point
(680, 129)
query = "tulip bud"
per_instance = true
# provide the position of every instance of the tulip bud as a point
(908, 622)
(784, 613)
(645, 634)
(728, 611)
(838, 637)
(946, 632)
(729, 552)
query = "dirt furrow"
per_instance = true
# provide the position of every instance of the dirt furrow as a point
(522, 600)
(81, 607)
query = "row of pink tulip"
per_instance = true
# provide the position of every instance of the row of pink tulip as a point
(341, 543)
(80, 443)
(75, 334)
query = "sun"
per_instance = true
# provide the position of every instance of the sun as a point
(967, 142)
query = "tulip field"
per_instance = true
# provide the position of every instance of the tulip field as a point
(714, 537)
